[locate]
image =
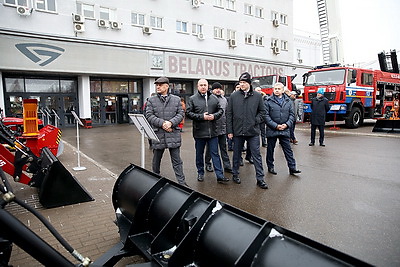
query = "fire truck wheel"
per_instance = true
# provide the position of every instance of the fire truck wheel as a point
(355, 119)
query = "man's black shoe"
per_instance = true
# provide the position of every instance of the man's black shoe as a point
(322, 144)
(272, 171)
(209, 168)
(241, 162)
(222, 180)
(311, 144)
(250, 160)
(262, 184)
(236, 179)
(200, 177)
(264, 145)
(293, 172)
(228, 170)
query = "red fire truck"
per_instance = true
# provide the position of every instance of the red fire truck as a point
(353, 93)
(267, 82)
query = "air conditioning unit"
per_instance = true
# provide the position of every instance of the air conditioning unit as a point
(276, 50)
(300, 60)
(195, 3)
(275, 22)
(103, 23)
(115, 25)
(24, 11)
(78, 18)
(200, 36)
(79, 27)
(147, 30)
(232, 42)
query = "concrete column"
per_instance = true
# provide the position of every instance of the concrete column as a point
(84, 97)
(148, 88)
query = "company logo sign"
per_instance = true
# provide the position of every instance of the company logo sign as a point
(41, 54)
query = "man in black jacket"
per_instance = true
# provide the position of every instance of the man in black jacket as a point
(319, 108)
(204, 109)
(244, 114)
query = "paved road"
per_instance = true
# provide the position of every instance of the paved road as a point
(347, 197)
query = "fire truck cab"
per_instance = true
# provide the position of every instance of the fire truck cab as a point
(266, 83)
(353, 93)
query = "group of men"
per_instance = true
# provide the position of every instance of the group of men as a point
(214, 120)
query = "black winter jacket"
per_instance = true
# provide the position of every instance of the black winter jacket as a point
(195, 109)
(157, 112)
(278, 114)
(319, 106)
(244, 114)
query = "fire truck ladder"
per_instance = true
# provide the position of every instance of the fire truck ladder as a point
(324, 30)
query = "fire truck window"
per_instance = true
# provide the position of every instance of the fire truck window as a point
(366, 78)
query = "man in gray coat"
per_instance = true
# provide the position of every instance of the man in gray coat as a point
(279, 118)
(164, 112)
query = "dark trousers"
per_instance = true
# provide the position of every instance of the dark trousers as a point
(321, 133)
(253, 142)
(287, 151)
(222, 149)
(291, 129)
(176, 161)
(200, 144)
(263, 133)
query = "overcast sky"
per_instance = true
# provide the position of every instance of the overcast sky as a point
(368, 27)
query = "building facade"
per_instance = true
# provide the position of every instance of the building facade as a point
(100, 58)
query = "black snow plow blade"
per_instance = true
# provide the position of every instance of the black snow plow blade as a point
(387, 126)
(59, 187)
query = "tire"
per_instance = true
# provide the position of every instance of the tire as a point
(355, 119)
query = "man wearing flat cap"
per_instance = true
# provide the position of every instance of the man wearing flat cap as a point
(164, 113)
(244, 114)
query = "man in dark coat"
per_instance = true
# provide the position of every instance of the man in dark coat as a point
(244, 114)
(279, 118)
(204, 109)
(319, 108)
(220, 125)
(164, 113)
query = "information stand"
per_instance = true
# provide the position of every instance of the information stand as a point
(78, 122)
(145, 129)
(335, 109)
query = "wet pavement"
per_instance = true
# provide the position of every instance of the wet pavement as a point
(347, 196)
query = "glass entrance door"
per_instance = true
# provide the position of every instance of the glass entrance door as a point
(122, 109)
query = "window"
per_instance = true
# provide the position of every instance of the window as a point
(259, 12)
(260, 40)
(248, 9)
(46, 5)
(218, 33)
(283, 19)
(248, 39)
(366, 78)
(230, 4)
(105, 13)
(230, 34)
(156, 22)
(197, 29)
(17, 2)
(274, 42)
(274, 15)
(181, 26)
(86, 10)
(284, 45)
(137, 19)
(218, 3)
